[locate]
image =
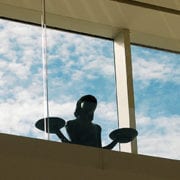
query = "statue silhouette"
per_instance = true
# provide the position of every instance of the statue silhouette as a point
(82, 130)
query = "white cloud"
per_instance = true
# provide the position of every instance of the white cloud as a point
(79, 55)
(16, 36)
(19, 117)
(107, 111)
(159, 136)
(21, 103)
(19, 69)
(101, 65)
(64, 110)
(145, 70)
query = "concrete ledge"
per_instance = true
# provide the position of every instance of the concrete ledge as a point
(26, 158)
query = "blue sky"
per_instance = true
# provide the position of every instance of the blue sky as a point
(79, 65)
(157, 92)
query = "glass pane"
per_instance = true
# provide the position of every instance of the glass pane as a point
(21, 92)
(157, 93)
(79, 65)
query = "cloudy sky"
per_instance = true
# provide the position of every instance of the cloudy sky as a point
(157, 93)
(79, 65)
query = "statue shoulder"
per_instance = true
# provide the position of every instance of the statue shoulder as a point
(98, 127)
(71, 123)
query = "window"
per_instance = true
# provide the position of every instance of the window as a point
(80, 65)
(77, 65)
(156, 77)
(21, 95)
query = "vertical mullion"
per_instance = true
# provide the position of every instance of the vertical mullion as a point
(124, 85)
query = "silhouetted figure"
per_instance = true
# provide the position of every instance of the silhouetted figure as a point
(81, 130)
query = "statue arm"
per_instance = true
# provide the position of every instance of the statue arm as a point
(111, 145)
(62, 137)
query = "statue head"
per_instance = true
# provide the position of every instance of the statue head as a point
(86, 106)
